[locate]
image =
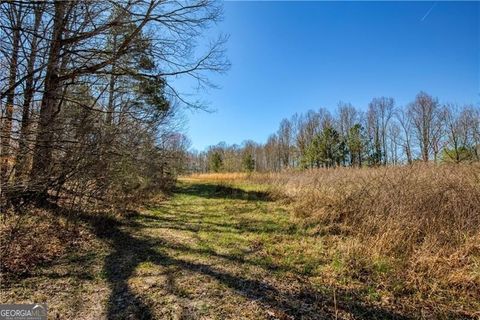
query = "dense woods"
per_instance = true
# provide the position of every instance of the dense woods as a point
(385, 134)
(88, 112)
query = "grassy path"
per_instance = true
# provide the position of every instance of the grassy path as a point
(211, 252)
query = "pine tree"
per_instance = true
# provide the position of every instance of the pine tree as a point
(248, 163)
(356, 144)
(216, 162)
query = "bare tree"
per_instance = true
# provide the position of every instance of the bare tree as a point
(373, 130)
(285, 139)
(308, 127)
(347, 117)
(425, 116)
(15, 14)
(394, 133)
(29, 90)
(272, 154)
(380, 112)
(406, 138)
(460, 126)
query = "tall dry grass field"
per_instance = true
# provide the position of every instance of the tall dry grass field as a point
(217, 177)
(412, 231)
(423, 221)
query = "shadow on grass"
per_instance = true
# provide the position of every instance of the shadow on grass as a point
(216, 191)
(194, 225)
(129, 251)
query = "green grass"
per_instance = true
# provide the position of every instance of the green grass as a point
(210, 252)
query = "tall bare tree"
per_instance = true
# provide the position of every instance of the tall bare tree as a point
(425, 115)
(380, 113)
(285, 140)
(15, 15)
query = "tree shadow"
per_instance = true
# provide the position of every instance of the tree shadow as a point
(128, 251)
(217, 191)
(179, 223)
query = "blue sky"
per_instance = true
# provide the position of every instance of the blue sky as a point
(290, 57)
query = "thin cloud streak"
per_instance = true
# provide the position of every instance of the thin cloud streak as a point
(428, 12)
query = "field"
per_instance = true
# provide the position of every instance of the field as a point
(333, 174)
(390, 243)
(404, 236)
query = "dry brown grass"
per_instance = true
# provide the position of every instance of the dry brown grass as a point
(413, 231)
(423, 219)
(217, 177)
(381, 243)
(36, 237)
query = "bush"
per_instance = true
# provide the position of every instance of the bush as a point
(32, 238)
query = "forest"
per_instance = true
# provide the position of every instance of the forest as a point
(88, 112)
(425, 130)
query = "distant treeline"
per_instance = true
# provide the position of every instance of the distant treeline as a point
(386, 134)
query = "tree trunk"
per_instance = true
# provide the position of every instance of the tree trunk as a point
(408, 151)
(425, 140)
(8, 116)
(21, 161)
(42, 159)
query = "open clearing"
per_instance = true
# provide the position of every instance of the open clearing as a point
(211, 251)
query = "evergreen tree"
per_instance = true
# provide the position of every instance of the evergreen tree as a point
(326, 149)
(216, 162)
(356, 144)
(458, 155)
(248, 163)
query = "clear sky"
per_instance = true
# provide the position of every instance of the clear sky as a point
(290, 57)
